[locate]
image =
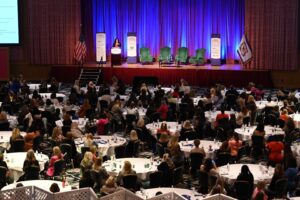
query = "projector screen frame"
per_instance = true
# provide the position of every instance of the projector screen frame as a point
(19, 32)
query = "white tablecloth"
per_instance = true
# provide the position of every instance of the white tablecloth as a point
(48, 95)
(36, 86)
(259, 172)
(81, 123)
(43, 184)
(185, 193)
(296, 118)
(15, 162)
(187, 146)
(5, 136)
(195, 100)
(262, 104)
(142, 112)
(172, 127)
(142, 166)
(211, 115)
(245, 133)
(106, 144)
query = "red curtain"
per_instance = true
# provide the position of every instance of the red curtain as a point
(50, 30)
(271, 27)
(4, 63)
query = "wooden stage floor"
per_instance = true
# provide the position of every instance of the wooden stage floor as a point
(206, 75)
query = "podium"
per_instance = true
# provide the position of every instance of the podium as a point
(116, 58)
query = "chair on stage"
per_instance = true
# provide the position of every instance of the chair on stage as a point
(165, 55)
(145, 56)
(199, 59)
(182, 55)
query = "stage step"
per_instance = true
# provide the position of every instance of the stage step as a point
(88, 74)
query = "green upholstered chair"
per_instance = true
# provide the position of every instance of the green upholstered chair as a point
(182, 55)
(199, 59)
(165, 55)
(145, 56)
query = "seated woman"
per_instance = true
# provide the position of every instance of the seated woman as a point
(132, 110)
(278, 174)
(234, 144)
(109, 187)
(163, 110)
(127, 170)
(97, 166)
(101, 123)
(84, 107)
(89, 142)
(241, 115)
(246, 175)
(29, 138)
(275, 152)
(69, 140)
(4, 124)
(57, 155)
(57, 136)
(144, 134)
(177, 156)
(15, 134)
(218, 188)
(187, 126)
(87, 162)
(196, 149)
(29, 162)
(291, 173)
(4, 164)
(210, 167)
(166, 166)
(260, 191)
(260, 130)
(163, 129)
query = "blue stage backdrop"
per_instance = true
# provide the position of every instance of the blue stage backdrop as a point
(173, 23)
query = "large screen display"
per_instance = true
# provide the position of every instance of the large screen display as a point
(9, 22)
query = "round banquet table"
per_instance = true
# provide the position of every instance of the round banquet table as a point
(36, 86)
(5, 137)
(43, 184)
(211, 115)
(245, 133)
(48, 95)
(142, 112)
(172, 127)
(15, 162)
(106, 144)
(259, 172)
(142, 166)
(185, 193)
(187, 146)
(262, 104)
(296, 118)
(81, 123)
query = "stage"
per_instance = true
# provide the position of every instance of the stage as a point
(206, 75)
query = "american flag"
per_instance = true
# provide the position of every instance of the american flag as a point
(80, 49)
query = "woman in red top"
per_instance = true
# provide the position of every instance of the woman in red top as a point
(163, 110)
(275, 152)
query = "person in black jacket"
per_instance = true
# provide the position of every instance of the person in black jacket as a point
(246, 175)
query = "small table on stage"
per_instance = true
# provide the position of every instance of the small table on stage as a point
(116, 56)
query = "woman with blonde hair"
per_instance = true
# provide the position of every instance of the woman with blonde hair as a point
(89, 141)
(127, 170)
(133, 135)
(110, 186)
(97, 166)
(87, 162)
(15, 134)
(30, 161)
(57, 155)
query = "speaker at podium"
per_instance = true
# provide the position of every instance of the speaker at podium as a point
(116, 53)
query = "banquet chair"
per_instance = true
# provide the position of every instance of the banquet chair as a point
(3, 172)
(66, 149)
(203, 182)
(177, 176)
(120, 151)
(182, 55)
(145, 56)
(242, 190)
(223, 159)
(160, 150)
(281, 188)
(84, 149)
(98, 180)
(246, 120)
(32, 173)
(132, 148)
(165, 55)
(280, 123)
(18, 145)
(4, 126)
(130, 182)
(59, 167)
(199, 59)
(258, 147)
(36, 143)
(195, 162)
(156, 179)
